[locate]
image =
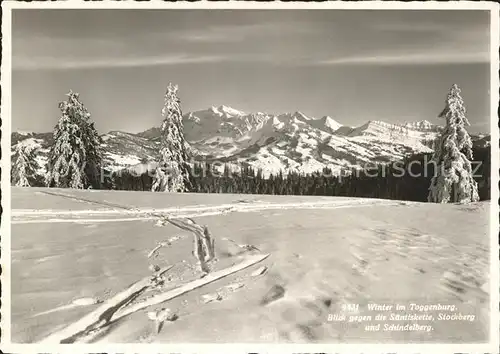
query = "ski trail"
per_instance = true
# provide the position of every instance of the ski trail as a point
(57, 309)
(190, 212)
(198, 208)
(81, 199)
(75, 303)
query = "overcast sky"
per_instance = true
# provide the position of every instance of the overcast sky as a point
(355, 66)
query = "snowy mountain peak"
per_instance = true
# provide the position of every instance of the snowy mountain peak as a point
(301, 115)
(288, 141)
(226, 110)
(30, 143)
(277, 123)
(190, 116)
(378, 122)
(422, 125)
(330, 123)
(20, 132)
(413, 131)
(215, 110)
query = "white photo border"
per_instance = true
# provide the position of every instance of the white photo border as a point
(5, 227)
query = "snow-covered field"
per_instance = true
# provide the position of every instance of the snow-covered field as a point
(323, 252)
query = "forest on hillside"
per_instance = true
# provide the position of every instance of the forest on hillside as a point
(400, 180)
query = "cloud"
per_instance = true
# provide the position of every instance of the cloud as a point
(38, 51)
(237, 33)
(421, 58)
(294, 43)
(413, 27)
(58, 63)
(457, 50)
(426, 43)
(221, 34)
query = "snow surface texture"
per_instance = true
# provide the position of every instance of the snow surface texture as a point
(325, 252)
(287, 142)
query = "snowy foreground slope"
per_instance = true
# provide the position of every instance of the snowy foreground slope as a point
(346, 250)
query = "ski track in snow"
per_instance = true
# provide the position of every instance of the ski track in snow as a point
(24, 216)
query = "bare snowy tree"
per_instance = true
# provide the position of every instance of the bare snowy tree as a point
(453, 181)
(172, 173)
(24, 164)
(76, 152)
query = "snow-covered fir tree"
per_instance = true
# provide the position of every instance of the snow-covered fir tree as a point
(172, 173)
(24, 164)
(75, 157)
(94, 151)
(453, 180)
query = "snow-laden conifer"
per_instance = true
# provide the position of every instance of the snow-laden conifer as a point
(24, 164)
(76, 153)
(453, 179)
(172, 173)
(94, 152)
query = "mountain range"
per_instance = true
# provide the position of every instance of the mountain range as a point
(286, 142)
